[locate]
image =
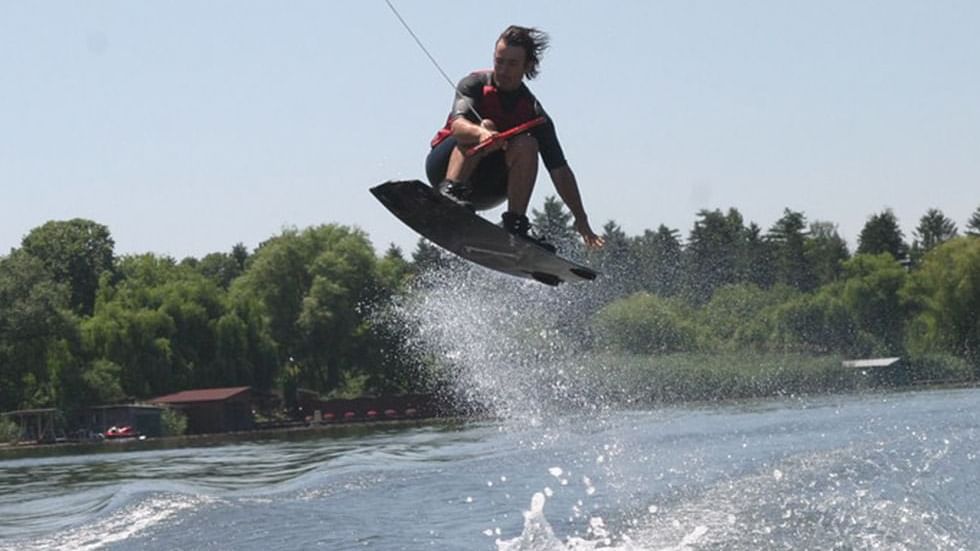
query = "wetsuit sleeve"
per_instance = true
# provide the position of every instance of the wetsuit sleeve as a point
(548, 144)
(469, 91)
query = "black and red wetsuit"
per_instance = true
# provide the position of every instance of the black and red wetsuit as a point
(506, 109)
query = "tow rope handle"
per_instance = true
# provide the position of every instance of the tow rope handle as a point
(505, 135)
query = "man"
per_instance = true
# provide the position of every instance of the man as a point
(489, 102)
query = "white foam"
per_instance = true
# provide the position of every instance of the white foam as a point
(123, 524)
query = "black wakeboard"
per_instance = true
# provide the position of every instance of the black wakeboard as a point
(463, 232)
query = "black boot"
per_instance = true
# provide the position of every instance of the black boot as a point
(519, 225)
(457, 192)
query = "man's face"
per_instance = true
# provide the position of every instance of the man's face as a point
(509, 63)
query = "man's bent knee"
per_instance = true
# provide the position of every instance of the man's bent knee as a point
(522, 146)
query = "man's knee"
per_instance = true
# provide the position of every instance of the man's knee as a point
(522, 147)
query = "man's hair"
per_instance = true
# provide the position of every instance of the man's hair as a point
(534, 42)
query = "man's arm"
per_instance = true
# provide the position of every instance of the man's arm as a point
(567, 187)
(469, 133)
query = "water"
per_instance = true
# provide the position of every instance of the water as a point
(891, 471)
(563, 466)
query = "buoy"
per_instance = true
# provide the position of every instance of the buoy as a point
(410, 412)
(391, 413)
(349, 415)
(372, 414)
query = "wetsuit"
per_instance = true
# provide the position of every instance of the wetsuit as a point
(506, 110)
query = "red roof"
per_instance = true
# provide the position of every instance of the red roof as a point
(201, 395)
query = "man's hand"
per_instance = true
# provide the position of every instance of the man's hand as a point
(488, 129)
(592, 240)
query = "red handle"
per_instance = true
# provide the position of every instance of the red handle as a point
(506, 134)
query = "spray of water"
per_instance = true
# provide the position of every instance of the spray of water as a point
(516, 349)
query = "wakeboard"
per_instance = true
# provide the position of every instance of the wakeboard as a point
(465, 233)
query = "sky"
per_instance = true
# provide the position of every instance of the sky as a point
(187, 127)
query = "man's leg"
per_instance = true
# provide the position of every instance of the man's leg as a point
(522, 171)
(460, 167)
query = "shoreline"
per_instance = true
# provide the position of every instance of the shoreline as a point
(10, 451)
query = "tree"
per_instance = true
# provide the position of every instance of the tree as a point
(616, 257)
(871, 294)
(934, 228)
(735, 317)
(393, 269)
(712, 252)
(658, 257)
(643, 323)
(788, 237)
(944, 295)
(309, 285)
(973, 224)
(554, 223)
(881, 234)
(428, 257)
(754, 258)
(75, 251)
(221, 268)
(826, 251)
(37, 331)
(817, 323)
(168, 327)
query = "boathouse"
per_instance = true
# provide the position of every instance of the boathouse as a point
(144, 418)
(213, 410)
(35, 425)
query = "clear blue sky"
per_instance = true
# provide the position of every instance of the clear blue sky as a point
(186, 127)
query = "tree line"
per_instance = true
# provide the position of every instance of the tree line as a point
(81, 325)
(797, 288)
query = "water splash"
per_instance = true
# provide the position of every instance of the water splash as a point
(514, 347)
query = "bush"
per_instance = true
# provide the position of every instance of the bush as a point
(645, 323)
(935, 368)
(174, 423)
(9, 431)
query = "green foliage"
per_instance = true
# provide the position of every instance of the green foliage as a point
(37, 330)
(826, 251)
(101, 383)
(712, 252)
(816, 324)
(973, 224)
(9, 431)
(871, 295)
(173, 422)
(881, 234)
(946, 368)
(789, 259)
(617, 256)
(658, 255)
(934, 229)
(309, 284)
(555, 224)
(79, 326)
(76, 252)
(738, 317)
(645, 323)
(944, 294)
(393, 269)
(428, 257)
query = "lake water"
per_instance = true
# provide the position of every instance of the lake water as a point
(881, 471)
